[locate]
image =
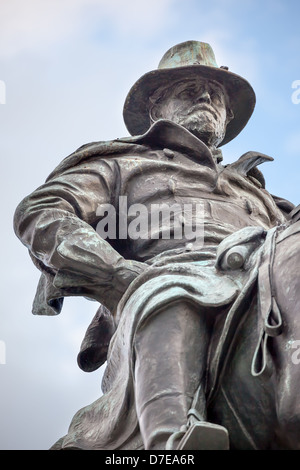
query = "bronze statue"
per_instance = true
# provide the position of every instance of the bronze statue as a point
(194, 265)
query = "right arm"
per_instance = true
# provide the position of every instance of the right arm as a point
(57, 224)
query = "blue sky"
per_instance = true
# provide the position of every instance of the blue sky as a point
(67, 66)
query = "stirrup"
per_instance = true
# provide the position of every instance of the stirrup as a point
(201, 435)
(205, 436)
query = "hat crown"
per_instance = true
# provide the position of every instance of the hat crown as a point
(194, 60)
(188, 53)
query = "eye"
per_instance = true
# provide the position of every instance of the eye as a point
(187, 93)
(235, 257)
(216, 96)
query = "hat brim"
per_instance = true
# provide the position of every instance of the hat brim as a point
(240, 93)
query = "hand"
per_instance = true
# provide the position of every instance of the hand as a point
(126, 272)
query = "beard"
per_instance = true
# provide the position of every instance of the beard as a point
(204, 125)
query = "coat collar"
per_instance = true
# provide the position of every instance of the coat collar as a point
(167, 134)
(162, 134)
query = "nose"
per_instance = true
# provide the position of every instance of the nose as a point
(204, 97)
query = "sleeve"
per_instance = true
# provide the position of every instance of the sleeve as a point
(57, 224)
(285, 206)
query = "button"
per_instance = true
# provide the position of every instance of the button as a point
(249, 206)
(172, 186)
(169, 153)
(189, 247)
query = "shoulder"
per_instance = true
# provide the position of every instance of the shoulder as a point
(96, 150)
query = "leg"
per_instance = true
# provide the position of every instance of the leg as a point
(286, 346)
(170, 350)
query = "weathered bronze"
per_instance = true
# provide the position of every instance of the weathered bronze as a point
(198, 309)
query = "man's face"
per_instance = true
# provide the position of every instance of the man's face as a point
(199, 106)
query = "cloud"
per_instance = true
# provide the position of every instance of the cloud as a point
(67, 73)
(292, 144)
(34, 24)
(24, 25)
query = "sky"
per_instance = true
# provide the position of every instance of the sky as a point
(66, 67)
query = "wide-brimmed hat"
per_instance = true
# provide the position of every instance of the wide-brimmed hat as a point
(190, 59)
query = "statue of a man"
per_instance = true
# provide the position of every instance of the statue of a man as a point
(172, 293)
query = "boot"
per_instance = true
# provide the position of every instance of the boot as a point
(171, 351)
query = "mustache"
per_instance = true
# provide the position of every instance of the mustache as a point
(200, 108)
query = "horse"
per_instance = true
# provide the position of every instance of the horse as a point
(256, 394)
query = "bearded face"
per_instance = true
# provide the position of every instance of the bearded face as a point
(198, 105)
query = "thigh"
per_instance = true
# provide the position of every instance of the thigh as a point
(286, 284)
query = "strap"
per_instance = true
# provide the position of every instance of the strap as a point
(268, 308)
(260, 363)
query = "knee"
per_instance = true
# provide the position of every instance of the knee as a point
(286, 272)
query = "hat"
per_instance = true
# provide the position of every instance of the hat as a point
(190, 59)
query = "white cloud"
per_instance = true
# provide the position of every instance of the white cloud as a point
(26, 24)
(292, 144)
(136, 16)
(69, 93)
(35, 24)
